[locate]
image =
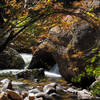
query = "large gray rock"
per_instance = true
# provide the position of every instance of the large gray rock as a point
(69, 45)
(11, 59)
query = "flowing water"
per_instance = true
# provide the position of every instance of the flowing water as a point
(54, 72)
(27, 58)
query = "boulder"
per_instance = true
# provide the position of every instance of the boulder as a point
(24, 94)
(11, 59)
(4, 96)
(50, 88)
(13, 95)
(31, 96)
(31, 74)
(84, 95)
(7, 85)
(70, 43)
(69, 47)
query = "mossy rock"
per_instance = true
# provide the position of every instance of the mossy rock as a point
(11, 59)
(96, 88)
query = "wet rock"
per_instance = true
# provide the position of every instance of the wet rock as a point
(84, 95)
(11, 59)
(52, 85)
(55, 95)
(4, 80)
(4, 96)
(97, 80)
(31, 96)
(95, 86)
(43, 95)
(26, 74)
(50, 88)
(13, 95)
(39, 98)
(96, 98)
(7, 84)
(59, 89)
(31, 74)
(71, 90)
(34, 91)
(26, 98)
(24, 94)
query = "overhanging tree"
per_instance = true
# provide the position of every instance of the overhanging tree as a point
(14, 18)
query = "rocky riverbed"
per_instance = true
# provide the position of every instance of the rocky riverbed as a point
(45, 89)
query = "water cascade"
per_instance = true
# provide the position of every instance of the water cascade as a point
(53, 72)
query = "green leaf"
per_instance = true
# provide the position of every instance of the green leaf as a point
(93, 59)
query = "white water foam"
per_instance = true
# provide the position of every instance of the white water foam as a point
(27, 58)
(54, 72)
